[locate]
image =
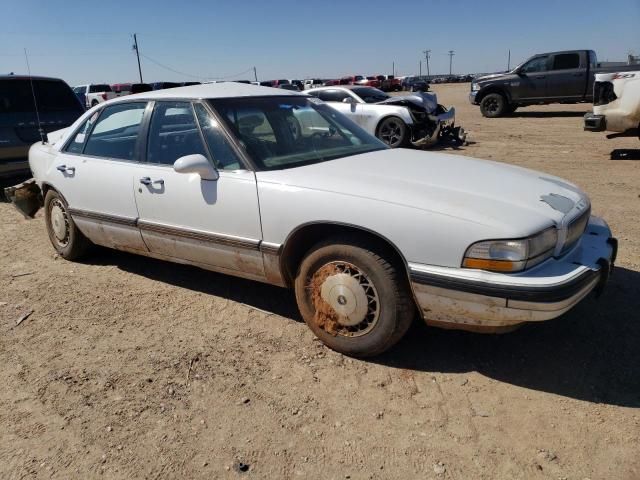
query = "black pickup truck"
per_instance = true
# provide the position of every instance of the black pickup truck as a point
(556, 77)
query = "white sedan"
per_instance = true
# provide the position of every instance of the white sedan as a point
(216, 176)
(399, 121)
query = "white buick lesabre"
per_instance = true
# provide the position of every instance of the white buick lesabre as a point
(277, 187)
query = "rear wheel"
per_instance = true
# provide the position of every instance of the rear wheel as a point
(393, 131)
(354, 300)
(493, 105)
(65, 237)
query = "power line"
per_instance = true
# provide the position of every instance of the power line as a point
(200, 77)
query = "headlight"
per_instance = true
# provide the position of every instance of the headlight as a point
(475, 87)
(511, 255)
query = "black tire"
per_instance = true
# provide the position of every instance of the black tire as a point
(64, 235)
(355, 270)
(493, 105)
(393, 131)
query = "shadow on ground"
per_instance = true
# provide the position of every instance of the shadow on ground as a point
(591, 353)
(533, 114)
(625, 154)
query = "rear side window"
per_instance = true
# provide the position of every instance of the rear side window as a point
(173, 133)
(99, 88)
(77, 143)
(565, 61)
(116, 132)
(16, 96)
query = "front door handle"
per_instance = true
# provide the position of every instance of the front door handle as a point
(65, 169)
(148, 181)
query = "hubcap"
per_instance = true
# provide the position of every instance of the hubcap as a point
(351, 298)
(59, 222)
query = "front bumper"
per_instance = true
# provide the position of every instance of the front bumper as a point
(478, 300)
(424, 135)
(595, 123)
(472, 97)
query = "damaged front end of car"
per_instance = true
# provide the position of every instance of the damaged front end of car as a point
(432, 122)
(26, 197)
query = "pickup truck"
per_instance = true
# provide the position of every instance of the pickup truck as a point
(616, 105)
(555, 77)
(93, 94)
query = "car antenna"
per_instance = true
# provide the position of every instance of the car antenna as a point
(35, 102)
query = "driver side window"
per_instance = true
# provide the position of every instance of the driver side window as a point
(536, 65)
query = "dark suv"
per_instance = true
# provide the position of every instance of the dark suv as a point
(58, 107)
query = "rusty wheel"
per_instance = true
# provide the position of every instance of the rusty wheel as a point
(353, 298)
(345, 300)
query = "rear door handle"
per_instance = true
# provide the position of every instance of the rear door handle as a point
(65, 169)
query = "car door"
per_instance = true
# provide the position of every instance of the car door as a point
(532, 80)
(566, 78)
(213, 223)
(95, 170)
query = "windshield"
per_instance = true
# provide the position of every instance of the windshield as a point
(370, 94)
(286, 132)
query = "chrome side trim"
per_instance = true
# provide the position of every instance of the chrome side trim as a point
(270, 248)
(230, 240)
(103, 217)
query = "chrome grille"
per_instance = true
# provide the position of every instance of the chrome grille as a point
(575, 230)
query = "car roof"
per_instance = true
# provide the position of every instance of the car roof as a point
(212, 90)
(27, 77)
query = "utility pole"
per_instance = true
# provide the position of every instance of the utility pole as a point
(135, 47)
(427, 54)
(420, 67)
(255, 74)
(509, 61)
(451, 54)
(393, 69)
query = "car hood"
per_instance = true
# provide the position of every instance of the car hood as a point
(492, 76)
(427, 101)
(512, 200)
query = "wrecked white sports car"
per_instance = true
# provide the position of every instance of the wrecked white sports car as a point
(214, 176)
(399, 121)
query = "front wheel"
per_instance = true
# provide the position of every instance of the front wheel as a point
(65, 237)
(493, 105)
(393, 131)
(354, 300)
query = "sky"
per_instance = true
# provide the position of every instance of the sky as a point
(180, 40)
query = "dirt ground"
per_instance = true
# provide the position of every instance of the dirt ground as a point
(135, 368)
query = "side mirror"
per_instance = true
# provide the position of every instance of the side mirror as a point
(349, 100)
(196, 163)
